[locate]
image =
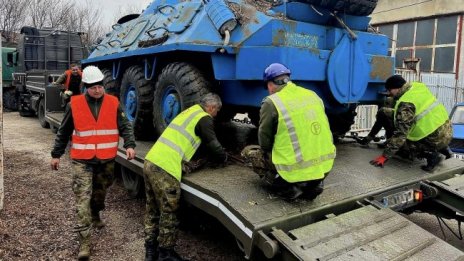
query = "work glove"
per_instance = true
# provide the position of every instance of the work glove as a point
(379, 161)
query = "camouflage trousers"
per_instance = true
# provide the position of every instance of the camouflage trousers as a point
(436, 141)
(163, 193)
(90, 184)
(383, 119)
(262, 165)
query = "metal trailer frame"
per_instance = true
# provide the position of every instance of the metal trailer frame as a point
(260, 220)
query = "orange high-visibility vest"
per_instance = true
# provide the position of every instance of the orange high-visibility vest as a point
(68, 77)
(94, 138)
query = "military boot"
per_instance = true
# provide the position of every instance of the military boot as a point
(151, 250)
(96, 221)
(84, 245)
(446, 152)
(169, 254)
(433, 159)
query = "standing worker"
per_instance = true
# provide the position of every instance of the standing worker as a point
(95, 121)
(71, 80)
(163, 168)
(421, 123)
(296, 150)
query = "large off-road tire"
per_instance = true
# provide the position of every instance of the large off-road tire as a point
(137, 101)
(41, 114)
(351, 7)
(10, 99)
(112, 86)
(133, 183)
(179, 86)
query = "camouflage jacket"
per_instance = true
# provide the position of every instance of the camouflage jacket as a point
(405, 119)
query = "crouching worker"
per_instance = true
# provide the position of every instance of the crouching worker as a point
(421, 124)
(164, 165)
(296, 150)
(95, 121)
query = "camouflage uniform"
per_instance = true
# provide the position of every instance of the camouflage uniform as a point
(163, 194)
(90, 184)
(92, 177)
(405, 119)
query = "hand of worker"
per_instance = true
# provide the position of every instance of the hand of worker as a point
(379, 161)
(130, 153)
(55, 163)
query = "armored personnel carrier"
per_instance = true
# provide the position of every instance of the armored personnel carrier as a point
(161, 61)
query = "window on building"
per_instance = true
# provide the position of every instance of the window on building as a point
(425, 56)
(431, 40)
(425, 31)
(446, 30)
(388, 31)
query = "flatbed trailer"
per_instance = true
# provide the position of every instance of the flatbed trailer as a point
(356, 217)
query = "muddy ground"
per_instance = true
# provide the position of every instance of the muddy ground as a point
(38, 216)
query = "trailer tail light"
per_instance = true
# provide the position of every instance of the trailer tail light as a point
(418, 195)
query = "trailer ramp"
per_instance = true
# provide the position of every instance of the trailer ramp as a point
(366, 233)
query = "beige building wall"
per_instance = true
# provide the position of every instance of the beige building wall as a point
(397, 10)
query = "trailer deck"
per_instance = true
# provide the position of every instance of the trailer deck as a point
(234, 195)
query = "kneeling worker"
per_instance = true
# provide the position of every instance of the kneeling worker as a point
(296, 148)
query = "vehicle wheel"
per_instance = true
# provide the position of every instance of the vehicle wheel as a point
(351, 7)
(137, 101)
(41, 114)
(179, 86)
(133, 183)
(10, 101)
(111, 85)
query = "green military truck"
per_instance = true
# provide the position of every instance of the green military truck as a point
(41, 56)
(10, 96)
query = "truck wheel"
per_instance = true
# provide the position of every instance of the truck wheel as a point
(137, 101)
(111, 85)
(41, 115)
(179, 86)
(10, 101)
(133, 183)
(351, 7)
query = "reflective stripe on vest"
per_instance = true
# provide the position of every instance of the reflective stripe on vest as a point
(430, 113)
(303, 148)
(178, 142)
(94, 138)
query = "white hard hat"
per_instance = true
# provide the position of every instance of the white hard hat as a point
(91, 74)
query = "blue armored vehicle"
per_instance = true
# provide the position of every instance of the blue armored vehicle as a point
(163, 60)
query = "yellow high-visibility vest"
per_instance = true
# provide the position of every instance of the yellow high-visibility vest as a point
(430, 113)
(303, 147)
(178, 142)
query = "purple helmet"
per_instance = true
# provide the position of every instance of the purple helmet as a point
(274, 70)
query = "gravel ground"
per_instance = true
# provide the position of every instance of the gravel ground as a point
(38, 216)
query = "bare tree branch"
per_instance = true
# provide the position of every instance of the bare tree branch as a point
(13, 14)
